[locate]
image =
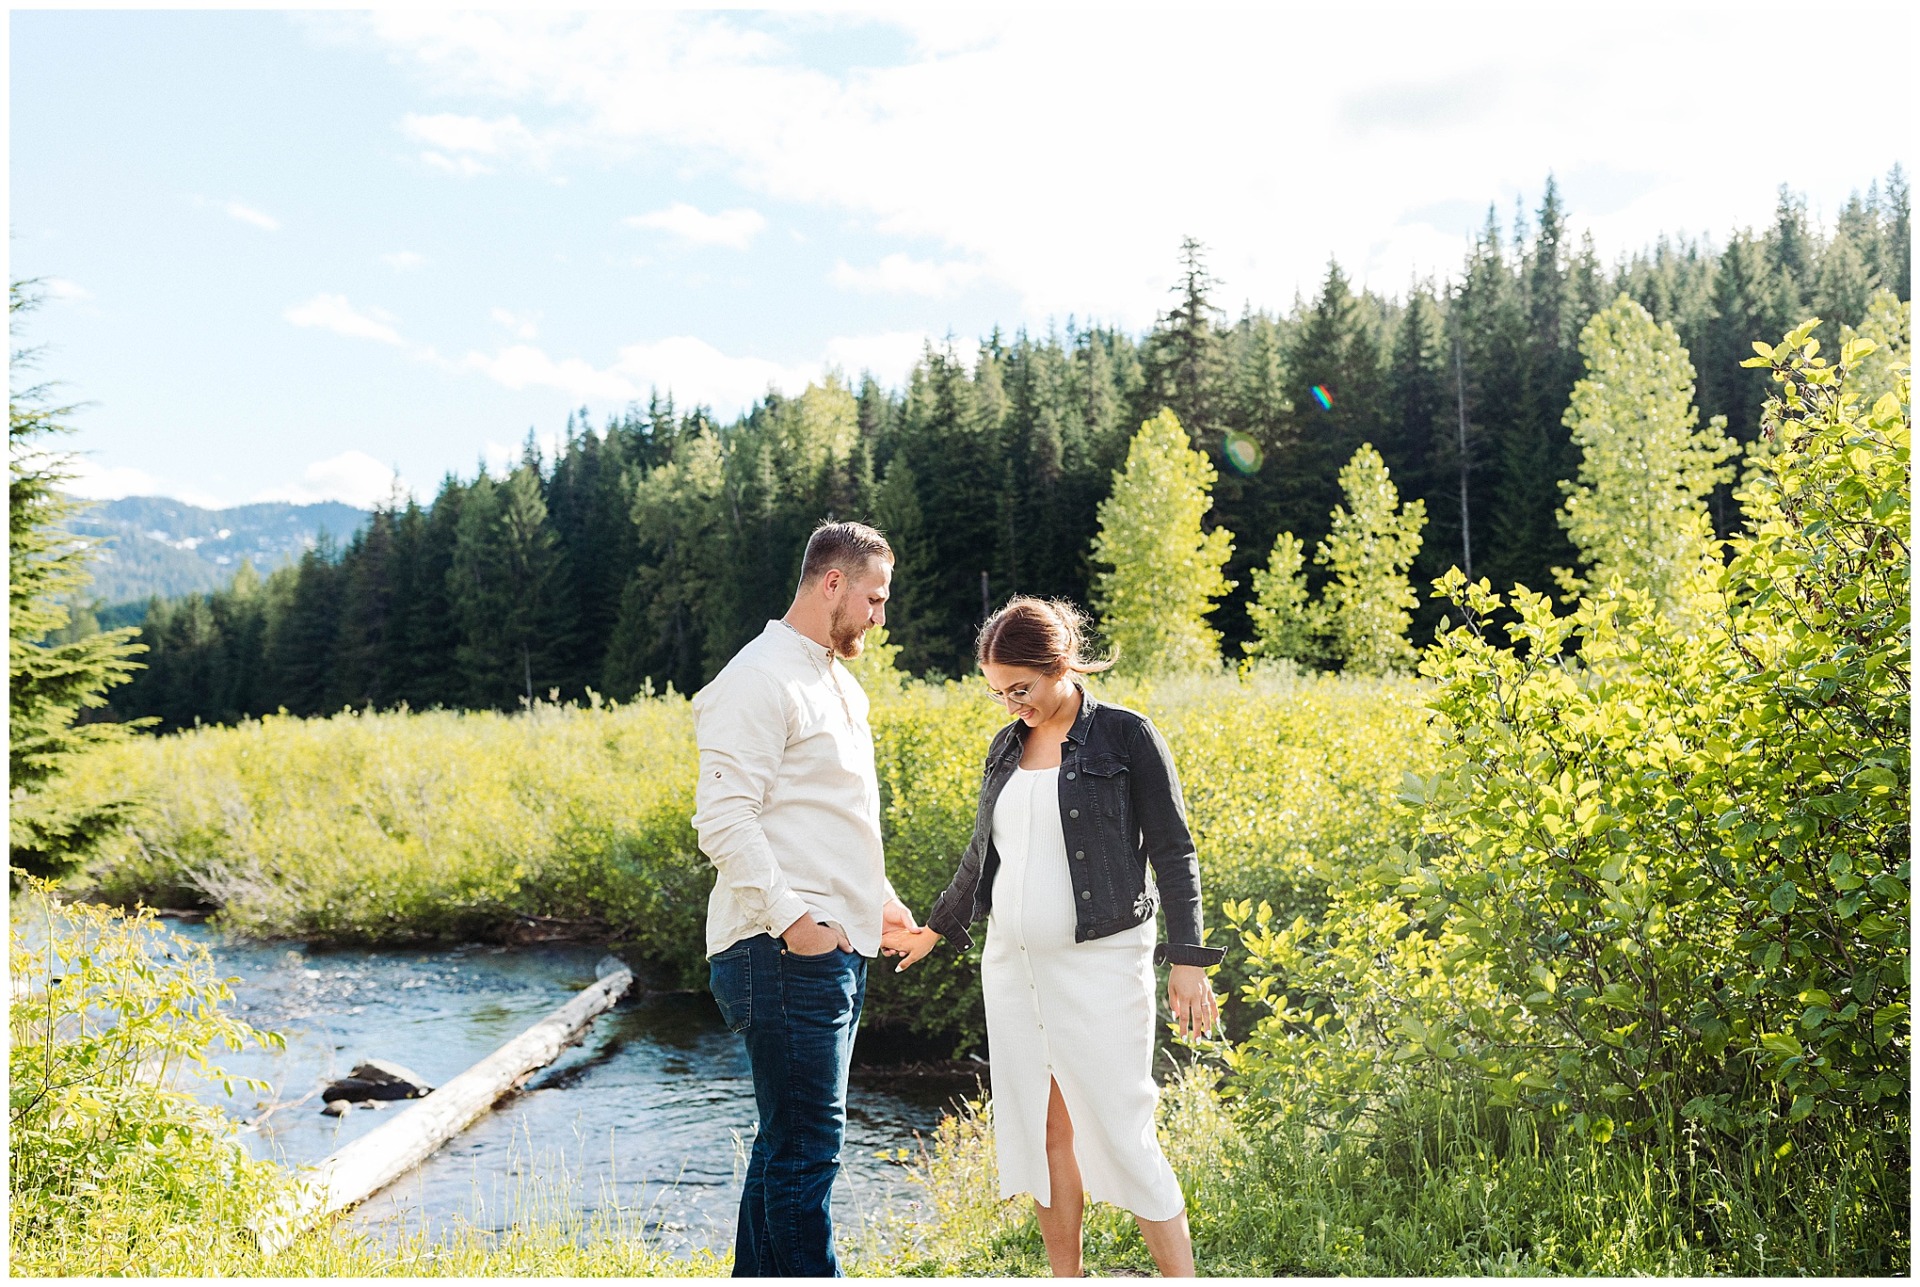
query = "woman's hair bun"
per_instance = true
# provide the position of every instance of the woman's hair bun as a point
(1047, 635)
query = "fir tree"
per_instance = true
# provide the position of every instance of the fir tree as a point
(1185, 356)
(507, 583)
(1163, 571)
(50, 684)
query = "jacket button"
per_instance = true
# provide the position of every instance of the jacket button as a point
(1079, 853)
(1071, 776)
(1073, 813)
(1086, 893)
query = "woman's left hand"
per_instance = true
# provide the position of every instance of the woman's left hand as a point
(1190, 997)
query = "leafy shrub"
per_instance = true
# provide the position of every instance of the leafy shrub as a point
(112, 1160)
(576, 821)
(1661, 886)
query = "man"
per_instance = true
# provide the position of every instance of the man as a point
(788, 809)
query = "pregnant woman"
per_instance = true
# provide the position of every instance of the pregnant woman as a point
(1078, 800)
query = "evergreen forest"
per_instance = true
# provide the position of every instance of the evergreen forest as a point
(647, 550)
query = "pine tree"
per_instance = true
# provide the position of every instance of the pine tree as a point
(1367, 605)
(958, 461)
(672, 605)
(1185, 356)
(507, 583)
(1420, 437)
(897, 511)
(1638, 510)
(1336, 356)
(50, 684)
(1506, 354)
(360, 677)
(427, 636)
(1164, 571)
(303, 632)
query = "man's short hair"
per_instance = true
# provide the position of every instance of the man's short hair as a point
(847, 546)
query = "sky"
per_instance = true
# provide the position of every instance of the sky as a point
(337, 255)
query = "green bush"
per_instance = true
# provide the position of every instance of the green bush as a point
(576, 821)
(112, 1161)
(1660, 890)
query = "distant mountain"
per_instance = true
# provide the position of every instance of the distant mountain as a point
(156, 545)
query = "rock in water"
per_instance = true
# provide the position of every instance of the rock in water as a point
(378, 1079)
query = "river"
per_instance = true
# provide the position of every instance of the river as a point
(649, 1115)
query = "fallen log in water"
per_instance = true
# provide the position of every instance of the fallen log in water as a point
(389, 1151)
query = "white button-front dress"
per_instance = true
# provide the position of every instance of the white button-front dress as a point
(1081, 1014)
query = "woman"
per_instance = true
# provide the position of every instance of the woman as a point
(1078, 799)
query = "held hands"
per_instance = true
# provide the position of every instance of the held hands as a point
(1190, 997)
(900, 936)
(908, 944)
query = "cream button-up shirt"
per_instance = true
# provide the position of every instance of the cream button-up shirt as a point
(787, 806)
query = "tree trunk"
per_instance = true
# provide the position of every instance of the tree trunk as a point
(388, 1152)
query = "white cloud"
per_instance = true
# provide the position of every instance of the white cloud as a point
(352, 477)
(247, 214)
(524, 325)
(697, 372)
(464, 166)
(93, 481)
(889, 355)
(900, 275)
(502, 459)
(735, 229)
(403, 261)
(523, 366)
(333, 313)
(1291, 156)
(456, 143)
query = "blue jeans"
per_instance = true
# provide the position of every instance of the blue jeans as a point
(798, 1015)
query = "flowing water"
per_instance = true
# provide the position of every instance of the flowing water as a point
(649, 1115)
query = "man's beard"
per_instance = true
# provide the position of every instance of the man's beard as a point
(847, 634)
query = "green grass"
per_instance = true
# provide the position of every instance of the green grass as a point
(397, 827)
(1454, 1191)
(446, 826)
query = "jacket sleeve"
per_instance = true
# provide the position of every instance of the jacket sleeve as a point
(740, 724)
(1162, 813)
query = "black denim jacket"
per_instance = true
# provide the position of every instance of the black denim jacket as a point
(1121, 810)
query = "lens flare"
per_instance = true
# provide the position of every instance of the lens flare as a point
(1324, 398)
(1242, 452)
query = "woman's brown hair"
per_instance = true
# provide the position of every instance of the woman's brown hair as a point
(1047, 635)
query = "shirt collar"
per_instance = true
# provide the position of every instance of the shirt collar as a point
(777, 626)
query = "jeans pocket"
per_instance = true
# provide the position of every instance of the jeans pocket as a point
(730, 975)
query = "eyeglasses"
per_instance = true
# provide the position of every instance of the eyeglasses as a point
(1021, 696)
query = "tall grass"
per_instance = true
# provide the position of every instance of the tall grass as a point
(1457, 1188)
(384, 827)
(376, 828)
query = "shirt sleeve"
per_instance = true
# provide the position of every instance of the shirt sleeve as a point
(740, 724)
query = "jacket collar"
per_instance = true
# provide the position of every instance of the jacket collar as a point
(1076, 735)
(1088, 704)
